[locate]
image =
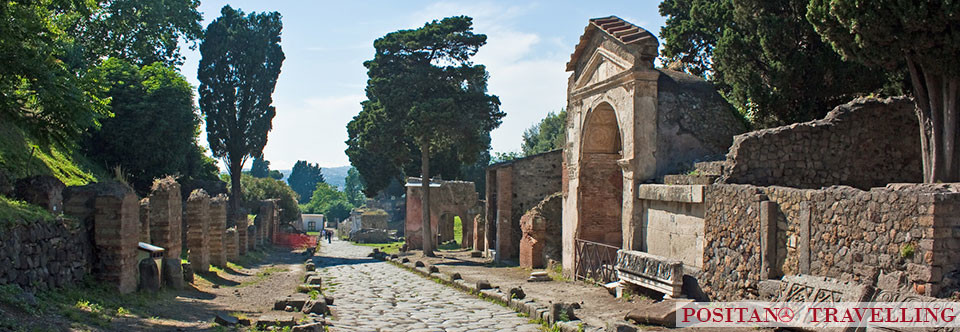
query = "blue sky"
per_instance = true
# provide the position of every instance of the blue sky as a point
(322, 81)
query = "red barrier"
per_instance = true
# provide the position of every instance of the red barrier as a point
(295, 240)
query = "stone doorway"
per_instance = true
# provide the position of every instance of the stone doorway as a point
(601, 179)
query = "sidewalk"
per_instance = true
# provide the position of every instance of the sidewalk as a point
(598, 308)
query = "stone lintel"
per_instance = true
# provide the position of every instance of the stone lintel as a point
(672, 193)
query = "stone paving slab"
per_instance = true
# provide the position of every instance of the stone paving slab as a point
(373, 295)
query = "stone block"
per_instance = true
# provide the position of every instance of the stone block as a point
(149, 275)
(276, 319)
(806, 288)
(216, 231)
(43, 190)
(634, 267)
(662, 313)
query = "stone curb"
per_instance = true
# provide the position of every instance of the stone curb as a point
(533, 309)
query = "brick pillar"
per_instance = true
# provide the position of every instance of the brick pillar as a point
(230, 244)
(242, 235)
(252, 237)
(215, 232)
(506, 244)
(165, 224)
(115, 213)
(197, 221)
(145, 220)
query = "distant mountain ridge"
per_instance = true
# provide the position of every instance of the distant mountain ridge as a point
(335, 176)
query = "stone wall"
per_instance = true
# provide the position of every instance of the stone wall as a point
(865, 143)
(46, 254)
(758, 233)
(166, 222)
(451, 198)
(671, 223)
(514, 188)
(231, 244)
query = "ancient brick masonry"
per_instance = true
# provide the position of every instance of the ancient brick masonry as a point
(114, 211)
(197, 221)
(541, 228)
(447, 199)
(145, 220)
(514, 187)
(231, 244)
(865, 143)
(166, 220)
(241, 229)
(217, 229)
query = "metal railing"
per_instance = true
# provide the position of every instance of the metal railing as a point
(595, 262)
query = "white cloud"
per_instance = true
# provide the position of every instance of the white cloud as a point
(296, 127)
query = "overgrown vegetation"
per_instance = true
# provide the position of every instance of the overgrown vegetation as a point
(14, 212)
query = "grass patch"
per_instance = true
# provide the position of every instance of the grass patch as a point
(387, 248)
(21, 156)
(92, 303)
(14, 212)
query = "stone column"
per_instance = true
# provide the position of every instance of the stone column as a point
(215, 231)
(505, 243)
(230, 244)
(242, 235)
(145, 220)
(197, 221)
(479, 235)
(165, 224)
(115, 213)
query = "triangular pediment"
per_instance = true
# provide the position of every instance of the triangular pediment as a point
(603, 64)
(614, 32)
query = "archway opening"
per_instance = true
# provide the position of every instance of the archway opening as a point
(601, 179)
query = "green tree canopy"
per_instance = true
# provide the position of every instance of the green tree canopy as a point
(921, 36)
(304, 179)
(548, 135)
(764, 56)
(50, 46)
(239, 65)
(329, 201)
(154, 128)
(260, 168)
(423, 84)
(257, 189)
(353, 187)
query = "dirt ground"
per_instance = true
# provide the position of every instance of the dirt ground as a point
(246, 290)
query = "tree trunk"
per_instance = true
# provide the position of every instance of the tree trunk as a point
(936, 98)
(236, 168)
(425, 203)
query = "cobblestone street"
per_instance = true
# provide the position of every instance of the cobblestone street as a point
(373, 295)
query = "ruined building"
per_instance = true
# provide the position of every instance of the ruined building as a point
(629, 123)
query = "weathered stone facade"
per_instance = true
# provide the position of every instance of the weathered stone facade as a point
(513, 188)
(838, 232)
(865, 143)
(197, 220)
(447, 199)
(46, 254)
(541, 228)
(242, 225)
(43, 190)
(629, 123)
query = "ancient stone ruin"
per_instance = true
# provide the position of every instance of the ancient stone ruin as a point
(166, 222)
(629, 123)
(541, 228)
(197, 220)
(513, 187)
(217, 230)
(448, 199)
